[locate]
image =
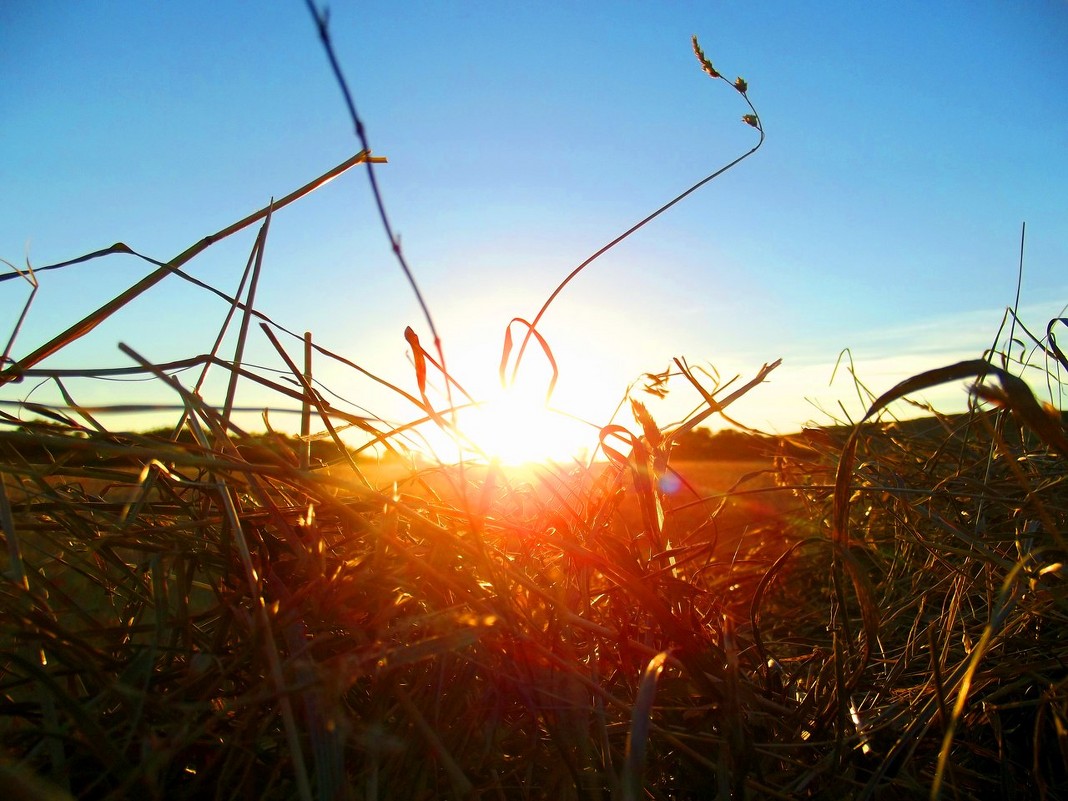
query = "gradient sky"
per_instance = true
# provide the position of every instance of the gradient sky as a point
(906, 143)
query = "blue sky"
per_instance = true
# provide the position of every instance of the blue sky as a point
(906, 143)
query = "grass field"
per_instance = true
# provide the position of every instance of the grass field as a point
(876, 611)
(230, 629)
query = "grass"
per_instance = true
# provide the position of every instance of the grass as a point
(193, 614)
(189, 618)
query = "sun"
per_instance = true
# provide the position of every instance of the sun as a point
(517, 427)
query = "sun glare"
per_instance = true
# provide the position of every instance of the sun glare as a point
(517, 428)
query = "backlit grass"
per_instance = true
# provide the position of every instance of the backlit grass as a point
(871, 611)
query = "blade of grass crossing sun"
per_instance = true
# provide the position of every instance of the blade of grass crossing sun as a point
(640, 724)
(506, 352)
(419, 359)
(753, 120)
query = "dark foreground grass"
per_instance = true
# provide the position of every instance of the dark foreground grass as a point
(220, 627)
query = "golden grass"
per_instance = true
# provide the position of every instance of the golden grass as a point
(878, 613)
(229, 626)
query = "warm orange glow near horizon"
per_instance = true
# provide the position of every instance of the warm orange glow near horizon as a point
(517, 427)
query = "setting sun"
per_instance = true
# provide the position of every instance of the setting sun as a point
(518, 427)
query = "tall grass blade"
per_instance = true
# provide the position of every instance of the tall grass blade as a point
(1062, 360)
(88, 323)
(631, 782)
(636, 227)
(28, 274)
(250, 303)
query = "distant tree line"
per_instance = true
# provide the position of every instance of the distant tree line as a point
(696, 445)
(735, 445)
(41, 441)
(726, 445)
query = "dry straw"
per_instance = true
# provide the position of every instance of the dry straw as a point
(873, 611)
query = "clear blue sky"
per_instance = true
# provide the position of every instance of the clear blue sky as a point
(906, 143)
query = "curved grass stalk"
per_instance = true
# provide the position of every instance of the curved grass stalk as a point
(753, 120)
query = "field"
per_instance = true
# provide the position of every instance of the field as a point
(235, 629)
(872, 611)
